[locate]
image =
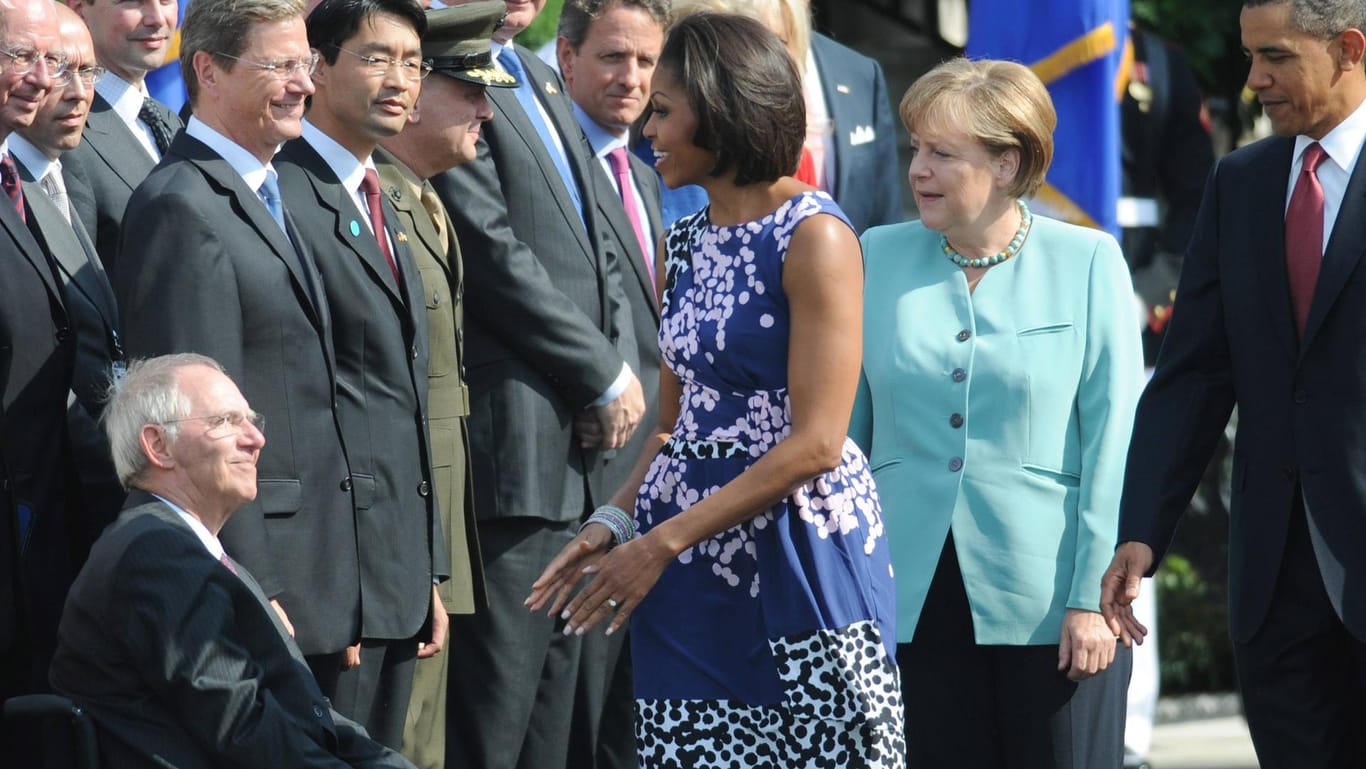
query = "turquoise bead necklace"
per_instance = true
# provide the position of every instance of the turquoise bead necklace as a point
(1012, 248)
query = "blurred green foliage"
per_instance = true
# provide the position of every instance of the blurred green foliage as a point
(542, 30)
(1194, 650)
(1207, 32)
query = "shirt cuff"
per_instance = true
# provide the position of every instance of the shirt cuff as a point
(618, 387)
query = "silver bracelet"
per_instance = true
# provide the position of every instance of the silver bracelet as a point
(617, 521)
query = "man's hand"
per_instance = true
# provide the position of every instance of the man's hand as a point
(440, 625)
(284, 618)
(1087, 646)
(1119, 589)
(616, 421)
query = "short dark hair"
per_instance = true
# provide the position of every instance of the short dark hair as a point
(578, 15)
(745, 90)
(1320, 18)
(333, 22)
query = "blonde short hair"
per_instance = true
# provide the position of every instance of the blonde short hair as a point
(1001, 104)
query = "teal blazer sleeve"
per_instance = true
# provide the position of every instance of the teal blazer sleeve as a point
(1002, 414)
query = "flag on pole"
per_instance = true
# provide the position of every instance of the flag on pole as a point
(1080, 50)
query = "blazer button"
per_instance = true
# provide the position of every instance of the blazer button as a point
(423, 489)
(63, 334)
(413, 352)
(955, 464)
(955, 421)
(346, 484)
(959, 375)
(1301, 396)
(964, 335)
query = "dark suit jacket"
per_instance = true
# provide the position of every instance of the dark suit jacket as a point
(867, 173)
(208, 270)
(183, 664)
(1232, 340)
(640, 298)
(379, 332)
(110, 163)
(546, 320)
(37, 350)
(448, 399)
(95, 316)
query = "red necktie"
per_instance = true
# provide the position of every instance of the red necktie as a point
(9, 182)
(806, 168)
(370, 186)
(621, 167)
(1304, 235)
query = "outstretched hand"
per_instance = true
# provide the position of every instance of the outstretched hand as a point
(1119, 588)
(566, 569)
(621, 578)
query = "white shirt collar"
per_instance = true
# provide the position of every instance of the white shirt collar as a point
(252, 170)
(32, 158)
(1343, 143)
(124, 97)
(207, 537)
(349, 170)
(600, 139)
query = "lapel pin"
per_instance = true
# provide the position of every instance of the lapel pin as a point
(550, 88)
(355, 228)
(842, 88)
(395, 193)
(402, 236)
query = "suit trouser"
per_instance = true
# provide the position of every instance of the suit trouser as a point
(604, 735)
(1303, 675)
(424, 733)
(374, 694)
(971, 706)
(511, 696)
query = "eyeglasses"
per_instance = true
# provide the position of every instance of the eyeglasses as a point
(378, 66)
(281, 69)
(216, 422)
(23, 60)
(89, 75)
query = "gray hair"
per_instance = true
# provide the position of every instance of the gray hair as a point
(221, 27)
(148, 395)
(1321, 18)
(578, 15)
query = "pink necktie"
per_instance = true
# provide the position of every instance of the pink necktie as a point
(1304, 235)
(621, 167)
(370, 186)
(226, 561)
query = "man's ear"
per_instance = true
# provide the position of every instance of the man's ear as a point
(156, 446)
(1351, 47)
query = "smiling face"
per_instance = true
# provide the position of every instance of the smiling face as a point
(444, 129)
(959, 184)
(356, 104)
(1306, 84)
(671, 128)
(214, 467)
(30, 25)
(57, 126)
(131, 36)
(609, 75)
(255, 108)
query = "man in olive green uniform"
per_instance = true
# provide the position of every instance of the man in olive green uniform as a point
(442, 134)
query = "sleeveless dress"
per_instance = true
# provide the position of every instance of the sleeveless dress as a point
(771, 644)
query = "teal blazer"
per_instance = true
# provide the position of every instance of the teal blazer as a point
(1003, 415)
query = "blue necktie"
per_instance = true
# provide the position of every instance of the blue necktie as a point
(527, 97)
(270, 195)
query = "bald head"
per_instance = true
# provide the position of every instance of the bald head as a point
(57, 126)
(29, 30)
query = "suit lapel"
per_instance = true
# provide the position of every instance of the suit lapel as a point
(1265, 240)
(833, 98)
(74, 259)
(117, 145)
(34, 254)
(615, 213)
(1345, 245)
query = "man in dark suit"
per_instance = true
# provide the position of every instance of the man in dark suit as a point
(211, 268)
(367, 84)
(37, 349)
(449, 112)
(1276, 331)
(607, 52)
(548, 336)
(858, 166)
(127, 131)
(168, 643)
(37, 151)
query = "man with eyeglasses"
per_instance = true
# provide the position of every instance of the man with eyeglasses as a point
(37, 150)
(37, 348)
(128, 131)
(213, 264)
(168, 642)
(366, 86)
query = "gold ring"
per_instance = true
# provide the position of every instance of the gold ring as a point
(612, 604)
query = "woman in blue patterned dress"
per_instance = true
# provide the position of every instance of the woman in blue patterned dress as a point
(758, 585)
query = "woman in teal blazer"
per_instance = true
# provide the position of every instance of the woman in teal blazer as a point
(1002, 363)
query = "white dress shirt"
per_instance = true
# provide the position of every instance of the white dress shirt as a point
(126, 99)
(1343, 145)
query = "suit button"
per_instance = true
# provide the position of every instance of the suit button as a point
(346, 484)
(955, 421)
(413, 352)
(423, 489)
(959, 375)
(1301, 396)
(964, 335)
(956, 464)
(63, 334)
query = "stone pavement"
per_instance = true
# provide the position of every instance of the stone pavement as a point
(1204, 731)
